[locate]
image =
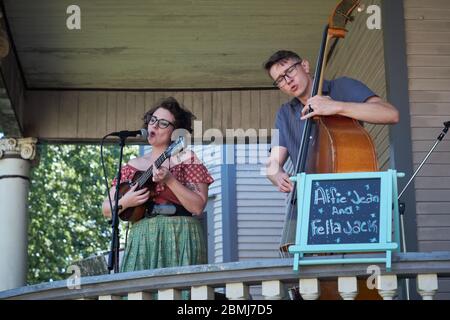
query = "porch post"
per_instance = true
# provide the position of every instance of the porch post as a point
(15, 163)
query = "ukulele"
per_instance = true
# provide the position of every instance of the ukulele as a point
(143, 179)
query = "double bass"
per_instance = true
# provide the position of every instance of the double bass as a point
(330, 144)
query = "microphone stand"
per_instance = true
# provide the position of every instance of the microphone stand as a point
(402, 206)
(113, 260)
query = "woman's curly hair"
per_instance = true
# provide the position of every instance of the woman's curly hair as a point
(183, 117)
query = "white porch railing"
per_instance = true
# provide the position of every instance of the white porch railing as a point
(274, 276)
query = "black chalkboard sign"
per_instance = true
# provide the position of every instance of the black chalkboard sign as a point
(344, 211)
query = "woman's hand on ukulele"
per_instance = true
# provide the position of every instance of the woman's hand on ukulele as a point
(162, 175)
(134, 198)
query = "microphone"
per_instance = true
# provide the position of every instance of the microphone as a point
(447, 124)
(126, 133)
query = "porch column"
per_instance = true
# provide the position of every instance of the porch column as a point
(15, 163)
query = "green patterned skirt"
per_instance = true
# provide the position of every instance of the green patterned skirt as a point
(162, 241)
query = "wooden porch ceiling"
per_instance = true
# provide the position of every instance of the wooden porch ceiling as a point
(155, 44)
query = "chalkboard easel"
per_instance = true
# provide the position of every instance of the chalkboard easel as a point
(346, 213)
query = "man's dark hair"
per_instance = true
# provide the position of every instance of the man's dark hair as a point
(279, 56)
(183, 117)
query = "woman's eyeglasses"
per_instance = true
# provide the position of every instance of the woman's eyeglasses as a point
(162, 123)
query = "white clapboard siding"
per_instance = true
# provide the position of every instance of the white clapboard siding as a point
(428, 58)
(260, 207)
(211, 155)
(218, 238)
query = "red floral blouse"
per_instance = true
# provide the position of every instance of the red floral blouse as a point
(185, 172)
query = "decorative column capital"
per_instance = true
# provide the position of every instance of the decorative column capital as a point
(24, 148)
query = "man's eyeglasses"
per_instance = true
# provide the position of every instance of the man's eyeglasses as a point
(162, 123)
(290, 72)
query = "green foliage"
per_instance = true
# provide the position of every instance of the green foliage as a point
(66, 222)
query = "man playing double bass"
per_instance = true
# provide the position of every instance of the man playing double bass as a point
(342, 96)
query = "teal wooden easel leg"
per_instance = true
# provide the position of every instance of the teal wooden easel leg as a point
(296, 261)
(388, 260)
(297, 258)
(396, 212)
